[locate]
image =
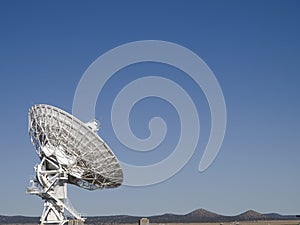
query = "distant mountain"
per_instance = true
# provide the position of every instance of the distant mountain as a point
(197, 216)
(202, 213)
(18, 219)
(276, 216)
(111, 219)
(251, 215)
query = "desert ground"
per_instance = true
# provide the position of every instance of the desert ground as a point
(262, 222)
(274, 222)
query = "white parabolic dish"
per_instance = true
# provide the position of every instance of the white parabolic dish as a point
(85, 157)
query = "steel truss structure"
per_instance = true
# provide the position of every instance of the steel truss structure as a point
(51, 185)
(71, 152)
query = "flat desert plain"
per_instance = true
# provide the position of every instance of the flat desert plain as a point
(260, 222)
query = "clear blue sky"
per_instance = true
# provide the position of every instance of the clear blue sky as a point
(253, 47)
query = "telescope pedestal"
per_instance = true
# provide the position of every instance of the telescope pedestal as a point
(51, 185)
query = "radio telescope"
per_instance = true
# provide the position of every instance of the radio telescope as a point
(70, 152)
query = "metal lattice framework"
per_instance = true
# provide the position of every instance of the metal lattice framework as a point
(85, 157)
(70, 152)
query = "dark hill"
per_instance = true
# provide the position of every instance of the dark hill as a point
(202, 213)
(251, 215)
(197, 216)
(18, 219)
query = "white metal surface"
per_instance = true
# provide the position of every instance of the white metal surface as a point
(50, 184)
(70, 152)
(85, 157)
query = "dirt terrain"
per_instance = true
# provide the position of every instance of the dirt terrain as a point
(276, 222)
